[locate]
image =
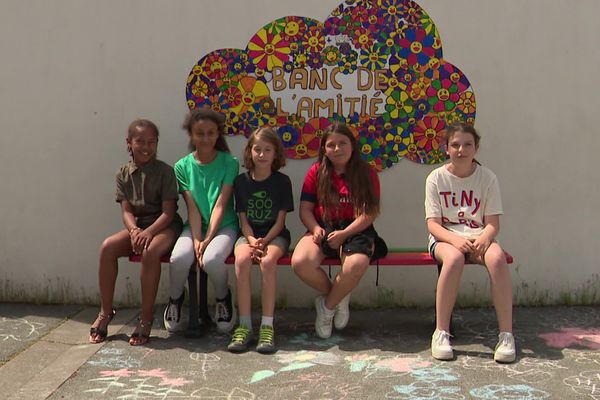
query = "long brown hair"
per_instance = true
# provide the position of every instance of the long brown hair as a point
(462, 127)
(269, 135)
(199, 114)
(357, 176)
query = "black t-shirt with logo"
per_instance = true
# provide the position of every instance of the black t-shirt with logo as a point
(262, 201)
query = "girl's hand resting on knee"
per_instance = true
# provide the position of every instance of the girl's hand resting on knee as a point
(462, 244)
(480, 245)
(258, 249)
(142, 240)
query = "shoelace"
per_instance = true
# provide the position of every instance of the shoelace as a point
(505, 340)
(240, 334)
(222, 311)
(172, 314)
(266, 335)
(443, 338)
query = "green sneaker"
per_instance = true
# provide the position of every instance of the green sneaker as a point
(266, 340)
(240, 340)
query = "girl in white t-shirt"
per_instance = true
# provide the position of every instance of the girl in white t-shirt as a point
(462, 209)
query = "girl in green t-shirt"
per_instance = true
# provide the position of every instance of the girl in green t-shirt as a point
(205, 178)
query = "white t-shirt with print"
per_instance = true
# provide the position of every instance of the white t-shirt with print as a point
(462, 203)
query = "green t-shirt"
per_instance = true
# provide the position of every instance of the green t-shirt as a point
(204, 182)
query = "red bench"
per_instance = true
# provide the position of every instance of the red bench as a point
(395, 257)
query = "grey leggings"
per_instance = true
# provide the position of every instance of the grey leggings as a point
(214, 257)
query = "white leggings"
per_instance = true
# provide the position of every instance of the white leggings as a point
(214, 257)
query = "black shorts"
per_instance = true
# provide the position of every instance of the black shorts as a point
(366, 242)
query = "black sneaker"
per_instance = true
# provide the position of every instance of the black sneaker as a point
(225, 314)
(172, 315)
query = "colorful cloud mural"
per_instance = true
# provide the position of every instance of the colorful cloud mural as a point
(376, 65)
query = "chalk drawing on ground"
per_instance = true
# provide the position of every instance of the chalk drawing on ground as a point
(421, 390)
(586, 383)
(19, 329)
(110, 357)
(208, 362)
(506, 392)
(126, 383)
(384, 367)
(528, 370)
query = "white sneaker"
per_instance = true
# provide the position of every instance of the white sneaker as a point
(440, 345)
(225, 314)
(505, 349)
(173, 318)
(324, 321)
(342, 313)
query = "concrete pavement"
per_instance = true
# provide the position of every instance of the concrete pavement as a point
(381, 354)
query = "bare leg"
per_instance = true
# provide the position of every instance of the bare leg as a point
(113, 247)
(453, 262)
(243, 268)
(268, 270)
(501, 286)
(354, 267)
(306, 263)
(150, 277)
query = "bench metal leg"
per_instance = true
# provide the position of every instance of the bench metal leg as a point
(199, 316)
(439, 268)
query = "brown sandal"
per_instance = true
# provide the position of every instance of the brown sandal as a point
(139, 338)
(99, 332)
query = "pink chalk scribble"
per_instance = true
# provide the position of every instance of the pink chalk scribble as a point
(402, 364)
(568, 337)
(122, 373)
(153, 373)
(174, 382)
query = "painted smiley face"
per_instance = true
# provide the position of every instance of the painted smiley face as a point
(319, 133)
(372, 19)
(331, 56)
(197, 70)
(301, 149)
(430, 133)
(416, 47)
(433, 63)
(286, 137)
(412, 148)
(313, 41)
(292, 28)
(443, 94)
(363, 39)
(366, 148)
(455, 77)
(269, 49)
(216, 66)
(248, 98)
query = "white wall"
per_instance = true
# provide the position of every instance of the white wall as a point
(75, 73)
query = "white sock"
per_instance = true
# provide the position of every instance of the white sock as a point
(266, 321)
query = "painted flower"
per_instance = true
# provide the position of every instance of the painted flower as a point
(252, 91)
(399, 105)
(297, 121)
(294, 29)
(374, 22)
(247, 122)
(412, 13)
(313, 40)
(359, 14)
(312, 134)
(373, 59)
(289, 136)
(332, 25)
(268, 50)
(362, 38)
(276, 27)
(429, 133)
(332, 55)
(387, 43)
(442, 95)
(214, 66)
(391, 11)
(315, 61)
(199, 88)
(449, 71)
(422, 108)
(418, 89)
(417, 47)
(524, 392)
(466, 102)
